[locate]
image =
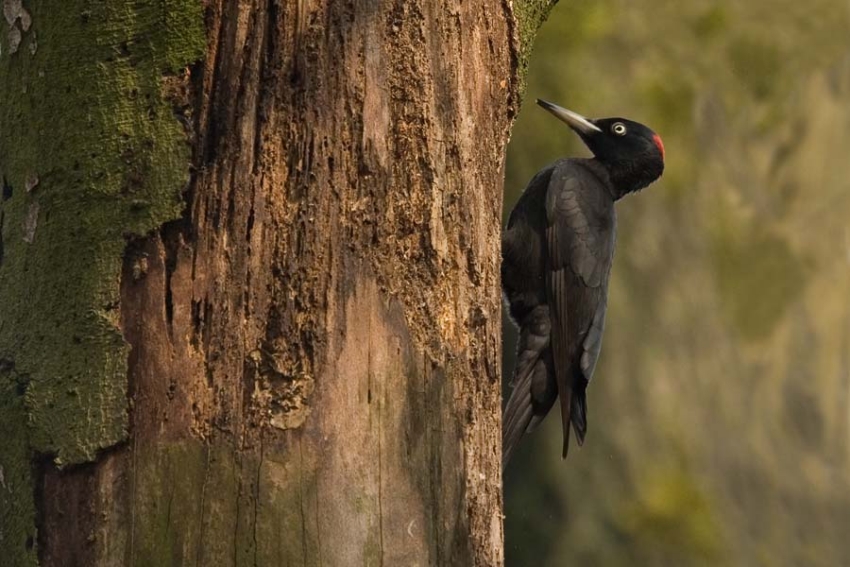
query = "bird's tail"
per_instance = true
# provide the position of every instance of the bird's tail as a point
(573, 413)
(566, 416)
(517, 417)
(578, 415)
(532, 395)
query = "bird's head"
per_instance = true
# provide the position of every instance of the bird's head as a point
(632, 153)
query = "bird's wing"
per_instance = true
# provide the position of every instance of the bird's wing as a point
(580, 250)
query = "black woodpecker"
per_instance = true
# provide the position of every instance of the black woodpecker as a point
(556, 257)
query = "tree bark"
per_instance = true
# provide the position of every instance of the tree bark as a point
(310, 349)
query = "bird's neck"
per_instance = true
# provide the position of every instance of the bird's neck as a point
(629, 176)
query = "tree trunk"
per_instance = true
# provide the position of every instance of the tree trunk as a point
(274, 229)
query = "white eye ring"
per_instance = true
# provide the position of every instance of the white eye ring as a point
(619, 128)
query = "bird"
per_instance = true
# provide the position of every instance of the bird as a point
(557, 251)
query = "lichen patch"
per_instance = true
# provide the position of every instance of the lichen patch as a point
(31, 222)
(19, 20)
(31, 183)
(14, 36)
(12, 10)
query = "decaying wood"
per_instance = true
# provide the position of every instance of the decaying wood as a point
(315, 345)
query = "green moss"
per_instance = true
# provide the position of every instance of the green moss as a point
(287, 525)
(83, 112)
(172, 491)
(17, 510)
(530, 15)
(204, 501)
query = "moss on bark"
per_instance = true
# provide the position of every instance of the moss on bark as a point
(205, 502)
(90, 152)
(529, 16)
(17, 510)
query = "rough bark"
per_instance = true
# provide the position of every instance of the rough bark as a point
(311, 349)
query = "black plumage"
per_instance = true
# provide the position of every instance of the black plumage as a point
(557, 252)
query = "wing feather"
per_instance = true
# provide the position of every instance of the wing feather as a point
(580, 245)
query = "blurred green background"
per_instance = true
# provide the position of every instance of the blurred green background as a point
(719, 415)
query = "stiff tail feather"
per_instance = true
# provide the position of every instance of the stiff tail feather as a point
(532, 395)
(578, 415)
(565, 398)
(517, 416)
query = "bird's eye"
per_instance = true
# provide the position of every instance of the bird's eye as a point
(619, 128)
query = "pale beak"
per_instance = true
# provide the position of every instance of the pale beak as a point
(574, 120)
